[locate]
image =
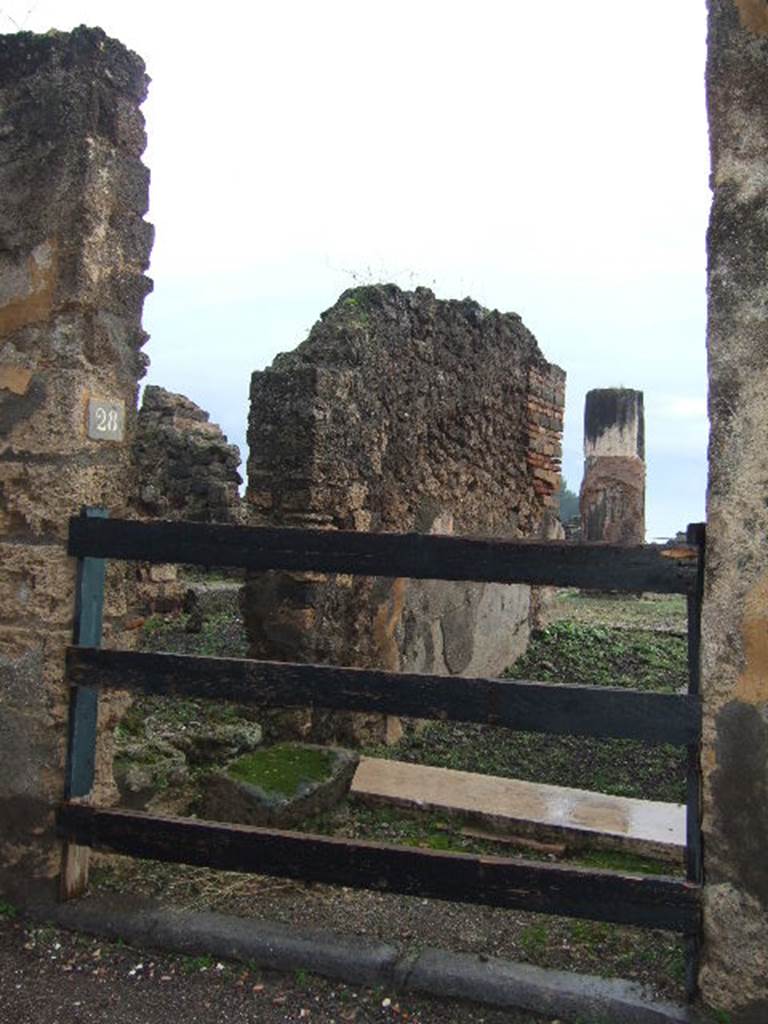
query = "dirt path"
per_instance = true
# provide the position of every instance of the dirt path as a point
(48, 976)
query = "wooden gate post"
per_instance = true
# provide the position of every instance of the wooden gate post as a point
(83, 712)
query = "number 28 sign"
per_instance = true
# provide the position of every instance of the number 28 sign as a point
(106, 420)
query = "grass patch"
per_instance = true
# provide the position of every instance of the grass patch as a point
(401, 827)
(569, 652)
(534, 940)
(659, 612)
(7, 910)
(628, 863)
(193, 964)
(282, 769)
(222, 635)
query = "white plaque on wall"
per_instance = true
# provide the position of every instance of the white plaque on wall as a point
(106, 419)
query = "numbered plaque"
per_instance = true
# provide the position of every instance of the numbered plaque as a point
(106, 420)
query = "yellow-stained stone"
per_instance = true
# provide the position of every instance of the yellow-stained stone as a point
(754, 15)
(15, 379)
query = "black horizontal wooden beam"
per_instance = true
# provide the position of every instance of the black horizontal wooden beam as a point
(417, 556)
(518, 704)
(573, 892)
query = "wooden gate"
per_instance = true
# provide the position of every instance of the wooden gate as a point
(647, 901)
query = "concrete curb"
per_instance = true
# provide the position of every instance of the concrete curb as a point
(362, 961)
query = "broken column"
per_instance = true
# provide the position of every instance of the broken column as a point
(734, 978)
(399, 413)
(612, 500)
(73, 250)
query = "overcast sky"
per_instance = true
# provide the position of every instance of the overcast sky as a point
(545, 158)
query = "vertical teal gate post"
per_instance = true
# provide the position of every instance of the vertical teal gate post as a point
(84, 709)
(694, 871)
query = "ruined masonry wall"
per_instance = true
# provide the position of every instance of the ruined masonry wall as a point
(735, 628)
(73, 250)
(401, 412)
(185, 469)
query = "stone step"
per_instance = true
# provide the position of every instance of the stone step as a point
(577, 818)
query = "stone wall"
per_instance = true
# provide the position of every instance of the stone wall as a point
(735, 631)
(401, 412)
(186, 468)
(612, 499)
(73, 250)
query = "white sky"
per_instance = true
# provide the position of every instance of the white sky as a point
(548, 158)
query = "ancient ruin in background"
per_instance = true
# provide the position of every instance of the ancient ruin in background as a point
(402, 412)
(612, 500)
(185, 469)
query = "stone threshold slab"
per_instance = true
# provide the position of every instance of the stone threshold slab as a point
(576, 817)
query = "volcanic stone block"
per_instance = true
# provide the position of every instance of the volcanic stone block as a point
(279, 786)
(612, 500)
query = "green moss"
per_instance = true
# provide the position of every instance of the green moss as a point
(630, 863)
(131, 725)
(601, 656)
(282, 769)
(7, 910)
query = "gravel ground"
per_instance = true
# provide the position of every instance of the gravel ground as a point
(653, 958)
(48, 976)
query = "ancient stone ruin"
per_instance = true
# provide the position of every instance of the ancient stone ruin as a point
(186, 468)
(341, 441)
(402, 412)
(73, 250)
(612, 500)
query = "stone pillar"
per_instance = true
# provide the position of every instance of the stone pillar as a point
(612, 500)
(73, 250)
(734, 977)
